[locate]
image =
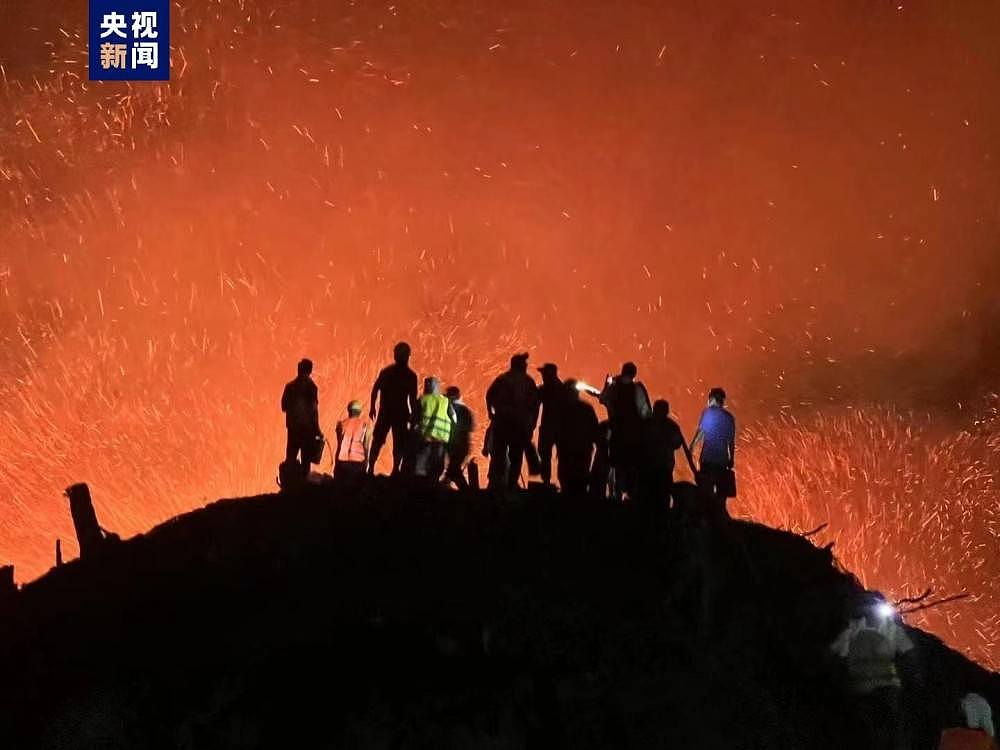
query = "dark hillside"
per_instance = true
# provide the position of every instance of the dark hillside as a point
(398, 618)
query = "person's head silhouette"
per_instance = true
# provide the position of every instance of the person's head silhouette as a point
(453, 393)
(305, 368)
(519, 362)
(401, 353)
(550, 372)
(354, 408)
(661, 409)
(432, 386)
(629, 371)
(716, 397)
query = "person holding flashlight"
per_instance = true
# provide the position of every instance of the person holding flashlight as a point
(869, 647)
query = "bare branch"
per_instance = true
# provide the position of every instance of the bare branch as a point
(938, 603)
(818, 529)
(916, 599)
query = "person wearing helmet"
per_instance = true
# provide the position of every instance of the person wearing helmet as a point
(353, 439)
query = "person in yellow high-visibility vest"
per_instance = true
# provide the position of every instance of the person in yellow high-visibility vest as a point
(437, 417)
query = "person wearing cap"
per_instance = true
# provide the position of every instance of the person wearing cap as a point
(512, 407)
(552, 400)
(353, 441)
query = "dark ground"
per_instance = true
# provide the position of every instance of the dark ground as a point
(399, 618)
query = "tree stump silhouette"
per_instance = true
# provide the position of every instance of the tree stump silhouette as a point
(88, 531)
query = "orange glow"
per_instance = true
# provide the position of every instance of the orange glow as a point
(799, 205)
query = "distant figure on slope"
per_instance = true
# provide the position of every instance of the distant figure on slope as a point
(434, 430)
(397, 409)
(460, 444)
(512, 406)
(627, 402)
(869, 647)
(300, 403)
(717, 430)
(552, 399)
(353, 439)
(575, 441)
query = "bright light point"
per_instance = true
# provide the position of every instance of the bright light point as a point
(885, 610)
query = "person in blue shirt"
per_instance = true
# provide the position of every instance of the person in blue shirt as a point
(717, 434)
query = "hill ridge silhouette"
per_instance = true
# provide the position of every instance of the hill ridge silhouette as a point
(397, 616)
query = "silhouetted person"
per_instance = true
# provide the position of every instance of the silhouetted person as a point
(300, 403)
(600, 473)
(397, 409)
(552, 399)
(662, 437)
(433, 430)
(512, 406)
(353, 439)
(717, 432)
(575, 440)
(460, 444)
(628, 406)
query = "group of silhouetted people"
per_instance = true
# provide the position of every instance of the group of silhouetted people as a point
(629, 455)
